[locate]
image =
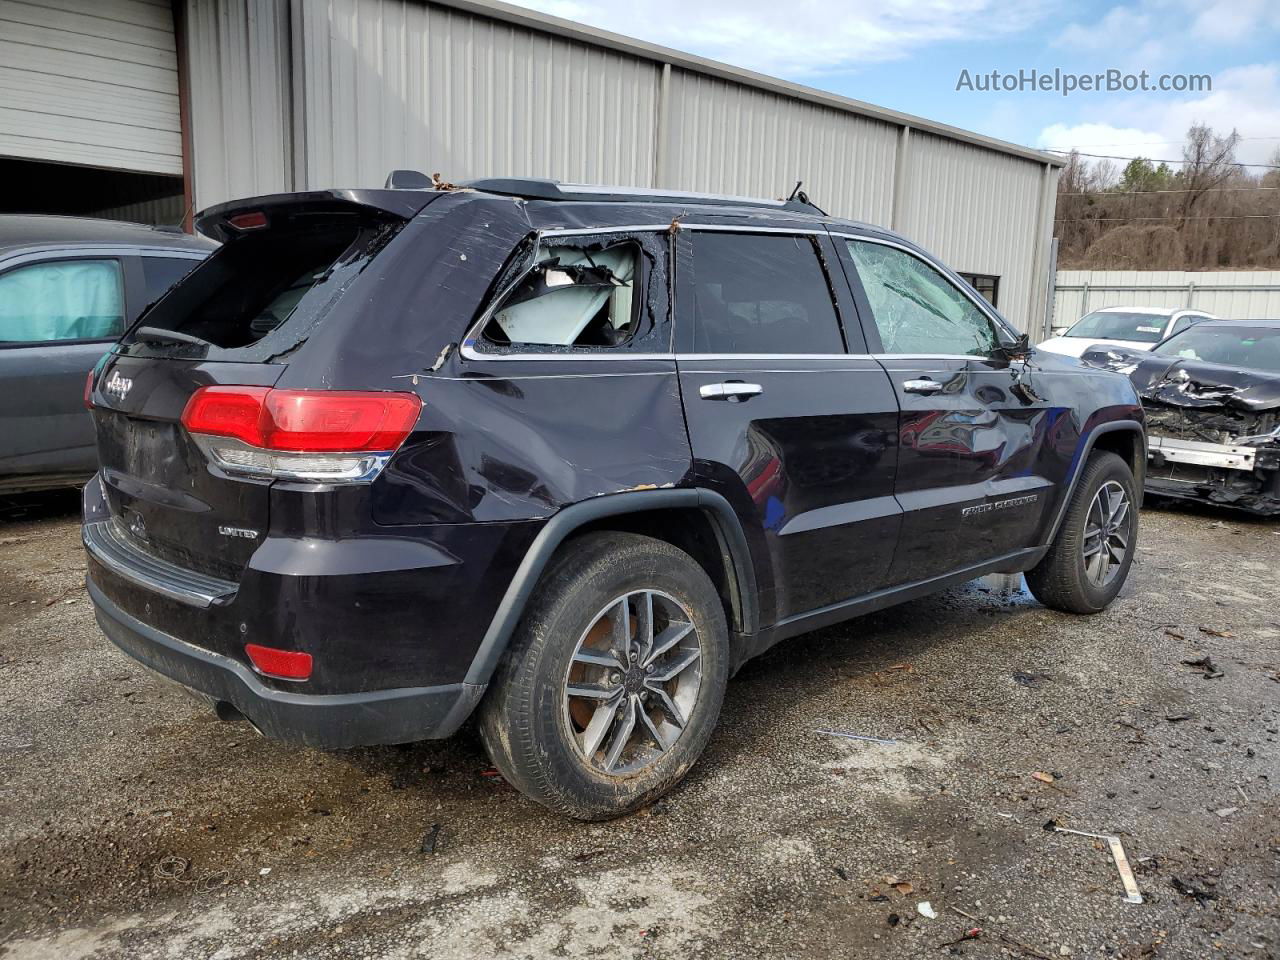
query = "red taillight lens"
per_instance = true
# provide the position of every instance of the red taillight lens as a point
(255, 220)
(88, 390)
(227, 412)
(304, 421)
(285, 664)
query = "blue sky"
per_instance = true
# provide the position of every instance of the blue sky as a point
(909, 55)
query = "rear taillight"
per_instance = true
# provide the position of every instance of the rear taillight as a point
(323, 435)
(285, 664)
(88, 389)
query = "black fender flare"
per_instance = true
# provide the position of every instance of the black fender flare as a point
(729, 534)
(1111, 426)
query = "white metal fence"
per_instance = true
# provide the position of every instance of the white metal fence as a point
(1233, 294)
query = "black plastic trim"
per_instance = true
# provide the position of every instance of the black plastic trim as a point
(1131, 425)
(562, 524)
(326, 721)
(114, 550)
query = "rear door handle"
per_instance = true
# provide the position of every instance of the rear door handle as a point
(734, 391)
(923, 385)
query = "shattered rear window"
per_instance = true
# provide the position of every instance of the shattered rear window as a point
(274, 282)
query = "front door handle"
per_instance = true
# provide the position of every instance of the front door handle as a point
(923, 385)
(735, 391)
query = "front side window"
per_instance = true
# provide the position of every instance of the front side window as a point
(62, 300)
(916, 308)
(761, 293)
(571, 297)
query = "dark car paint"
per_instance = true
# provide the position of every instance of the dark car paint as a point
(417, 579)
(46, 437)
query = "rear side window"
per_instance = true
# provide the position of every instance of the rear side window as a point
(571, 297)
(161, 273)
(62, 300)
(257, 283)
(761, 293)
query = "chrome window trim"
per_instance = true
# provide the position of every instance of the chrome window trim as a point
(81, 252)
(468, 351)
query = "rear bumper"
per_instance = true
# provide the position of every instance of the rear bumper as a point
(325, 721)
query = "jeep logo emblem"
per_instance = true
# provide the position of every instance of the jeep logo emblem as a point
(117, 386)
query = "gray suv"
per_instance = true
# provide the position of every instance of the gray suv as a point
(69, 287)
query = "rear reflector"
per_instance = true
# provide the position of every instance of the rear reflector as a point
(285, 664)
(88, 389)
(300, 434)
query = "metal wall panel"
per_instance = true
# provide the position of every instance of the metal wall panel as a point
(723, 137)
(394, 84)
(238, 56)
(979, 211)
(1232, 294)
(90, 83)
(471, 89)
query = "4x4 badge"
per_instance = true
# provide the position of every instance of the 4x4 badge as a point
(117, 386)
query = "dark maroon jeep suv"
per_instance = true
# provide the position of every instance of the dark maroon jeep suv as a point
(565, 457)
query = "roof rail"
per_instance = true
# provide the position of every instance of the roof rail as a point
(531, 188)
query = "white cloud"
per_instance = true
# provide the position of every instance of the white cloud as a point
(1246, 99)
(803, 37)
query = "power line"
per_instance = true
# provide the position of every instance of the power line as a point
(1153, 143)
(1107, 156)
(1132, 193)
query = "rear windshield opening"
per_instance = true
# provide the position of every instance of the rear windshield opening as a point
(257, 282)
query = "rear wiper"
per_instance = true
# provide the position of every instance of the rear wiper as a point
(171, 337)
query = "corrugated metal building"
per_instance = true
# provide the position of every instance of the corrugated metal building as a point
(1231, 294)
(293, 94)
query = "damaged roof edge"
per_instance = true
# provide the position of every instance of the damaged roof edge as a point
(557, 26)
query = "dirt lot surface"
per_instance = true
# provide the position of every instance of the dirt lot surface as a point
(134, 824)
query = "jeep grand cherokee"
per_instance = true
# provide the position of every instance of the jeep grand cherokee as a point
(566, 457)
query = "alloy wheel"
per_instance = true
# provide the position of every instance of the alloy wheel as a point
(1107, 532)
(633, 682)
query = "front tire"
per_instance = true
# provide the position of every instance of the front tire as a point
(614, 679)
(1091, 555)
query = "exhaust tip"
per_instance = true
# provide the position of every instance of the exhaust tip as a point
(227, 712)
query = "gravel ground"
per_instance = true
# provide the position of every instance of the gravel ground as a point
(134, 824)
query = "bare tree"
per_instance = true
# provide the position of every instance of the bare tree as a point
(1208, 162)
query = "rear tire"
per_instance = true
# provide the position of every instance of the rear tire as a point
(630, 735)
(1091, 555)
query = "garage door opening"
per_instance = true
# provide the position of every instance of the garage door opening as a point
(33, 186)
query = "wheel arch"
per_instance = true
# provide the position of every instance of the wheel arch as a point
(1125, 438)
(726, 559)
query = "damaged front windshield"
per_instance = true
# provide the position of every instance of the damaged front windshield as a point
(571, 297)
